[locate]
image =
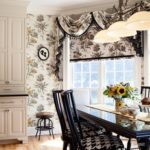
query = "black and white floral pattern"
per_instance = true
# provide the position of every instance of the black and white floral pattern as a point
(84, 47)
(40, 77)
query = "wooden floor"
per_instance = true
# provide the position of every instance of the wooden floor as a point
(46, 143)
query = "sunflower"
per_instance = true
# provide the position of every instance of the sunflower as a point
(110, 93)
(120, 104)
(121, 91)
(114, 88)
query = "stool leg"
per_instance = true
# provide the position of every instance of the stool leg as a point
(52, 128)
(40, 128)
(49, 126)
(37, 127)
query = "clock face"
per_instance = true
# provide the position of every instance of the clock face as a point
(43, 53)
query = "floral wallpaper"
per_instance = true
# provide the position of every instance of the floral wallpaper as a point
(40, 76)
(84, 47)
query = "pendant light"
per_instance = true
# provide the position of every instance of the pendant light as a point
(103, 37)
(139, 21)
(119, 29)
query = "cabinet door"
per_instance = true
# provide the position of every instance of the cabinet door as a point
(16, 51)
(16, 122)
(3, 123)
(3, 50)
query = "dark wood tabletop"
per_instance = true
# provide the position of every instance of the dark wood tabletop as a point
(122, 125)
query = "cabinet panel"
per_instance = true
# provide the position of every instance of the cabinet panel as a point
(3, 34)
(16, 68)
(3, 49)
(9, 102)
(3, 75)
(16, 34)
(16, 119)
(3, 123)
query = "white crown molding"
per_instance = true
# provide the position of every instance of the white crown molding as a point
(47, 10)
(72, 10)
(44, 10)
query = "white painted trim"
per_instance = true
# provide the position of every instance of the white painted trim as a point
(138, 71)
(74, 9)
(66, 64)
(146, 58)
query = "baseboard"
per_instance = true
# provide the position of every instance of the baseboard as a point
(31, 131)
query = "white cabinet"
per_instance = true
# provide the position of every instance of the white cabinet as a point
(16, 121)
(12, 51)
(3, 49)
(13, 123)
(3, 122)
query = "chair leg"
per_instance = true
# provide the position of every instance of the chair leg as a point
(72, 146)
(65, 144)
(129, 144)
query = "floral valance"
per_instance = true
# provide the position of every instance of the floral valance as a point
(75, 26)
(85, 49)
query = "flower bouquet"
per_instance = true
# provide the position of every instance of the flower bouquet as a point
(120, 91)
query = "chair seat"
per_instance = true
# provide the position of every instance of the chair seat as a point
(102, 142)
(88, 130)
(91, 130)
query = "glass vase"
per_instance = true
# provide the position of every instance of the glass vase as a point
(119, 103)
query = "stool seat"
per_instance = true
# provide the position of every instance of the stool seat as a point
(43, 115)
(44, 123)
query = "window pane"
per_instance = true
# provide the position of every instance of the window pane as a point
(119, 65)
(77, 76)
(95, 66)
(109, 65)
(85, 67)
(119, 77)
(77, 84)
(129, 76)
(77, 67)
(94, 80)
(94, 96)
(86, 80)
(129, 64)
(109, 78)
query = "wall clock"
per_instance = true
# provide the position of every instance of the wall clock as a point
(43, 53)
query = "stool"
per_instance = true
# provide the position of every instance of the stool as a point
(44, 123)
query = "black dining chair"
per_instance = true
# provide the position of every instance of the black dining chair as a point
(85, 128)
(97, 142)
(145, 91)
(66, 136)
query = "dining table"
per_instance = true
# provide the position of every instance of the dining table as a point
(137, 127)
